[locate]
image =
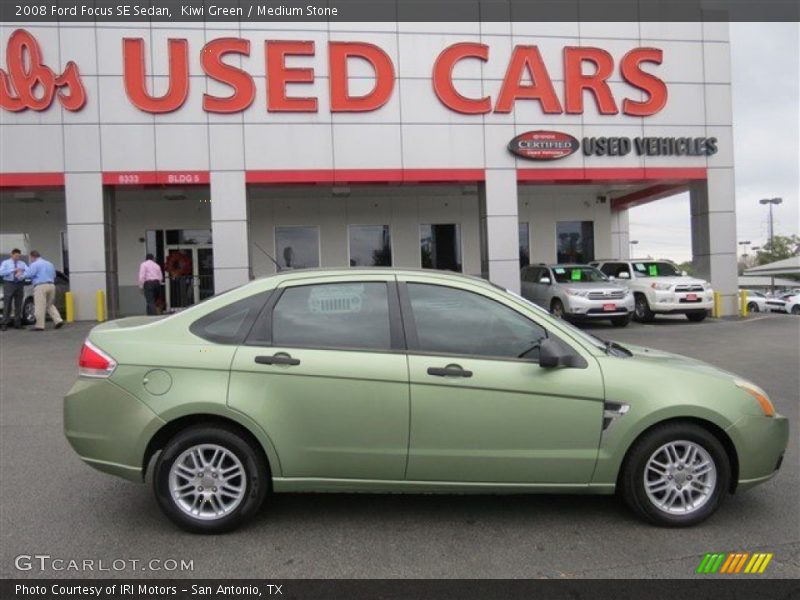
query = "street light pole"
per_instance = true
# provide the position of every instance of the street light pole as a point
(771, 202)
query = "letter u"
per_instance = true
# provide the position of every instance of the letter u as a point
(135, 74)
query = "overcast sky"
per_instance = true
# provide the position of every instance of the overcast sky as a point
(765, 64)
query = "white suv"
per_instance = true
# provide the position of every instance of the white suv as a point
(660, 287)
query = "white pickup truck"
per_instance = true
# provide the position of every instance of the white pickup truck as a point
(660, 288)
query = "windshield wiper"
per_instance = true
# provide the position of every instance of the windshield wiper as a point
(615, 348)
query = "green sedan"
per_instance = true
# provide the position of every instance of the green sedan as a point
(382, 380)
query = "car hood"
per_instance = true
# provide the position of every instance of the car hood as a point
(676, 280)
(594, 285)
(678, 361)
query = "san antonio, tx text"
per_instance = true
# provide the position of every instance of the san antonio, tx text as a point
(139, 589)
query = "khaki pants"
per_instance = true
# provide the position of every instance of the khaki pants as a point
(43, 296)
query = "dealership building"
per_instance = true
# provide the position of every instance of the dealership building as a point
(230, 150)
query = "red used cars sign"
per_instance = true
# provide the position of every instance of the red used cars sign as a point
(543, 145)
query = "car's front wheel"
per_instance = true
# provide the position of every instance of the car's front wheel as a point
(28, 312)
(557, 308)
(752, 307)
(210, 479)
(641, 310)
(796, 309)
(677, 475)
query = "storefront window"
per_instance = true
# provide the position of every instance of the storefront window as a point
(524, 245)
(297, 247)
(440, 247)
(575, 241)
(370, 246)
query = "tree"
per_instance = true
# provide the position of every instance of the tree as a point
(687, 266)
(781, 247)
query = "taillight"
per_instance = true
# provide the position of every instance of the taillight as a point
(93, 362)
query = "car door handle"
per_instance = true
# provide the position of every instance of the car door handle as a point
(449, 371)
(280, 358)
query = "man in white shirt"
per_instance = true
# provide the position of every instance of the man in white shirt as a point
(150, 277)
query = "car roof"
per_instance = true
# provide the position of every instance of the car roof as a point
(355, 272)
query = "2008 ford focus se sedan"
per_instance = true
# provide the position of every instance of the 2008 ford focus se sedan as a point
(406, 381)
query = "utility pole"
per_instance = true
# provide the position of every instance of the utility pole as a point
(771, 202)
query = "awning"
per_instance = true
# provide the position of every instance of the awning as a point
(787, 266)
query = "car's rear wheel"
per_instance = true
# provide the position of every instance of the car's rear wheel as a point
(696, 316)
(641, 310)
(676, 475)
(209, 479)
(752, 307)
(28, 312)
(621, 321)
(557, 309)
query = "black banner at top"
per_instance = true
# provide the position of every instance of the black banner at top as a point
(216, 11)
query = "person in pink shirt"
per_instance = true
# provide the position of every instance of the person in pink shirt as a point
(150, 277)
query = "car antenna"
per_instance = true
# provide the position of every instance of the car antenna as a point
(267, 254)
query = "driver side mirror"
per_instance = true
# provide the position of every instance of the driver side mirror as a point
(684, 273)
(544, 280)
(624, 275)
(554, 353)
(611, 278)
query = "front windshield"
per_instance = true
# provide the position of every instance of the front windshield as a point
(578, 275)
(655, 269)
(594, 341)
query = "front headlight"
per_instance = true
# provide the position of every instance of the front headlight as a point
(663, 287)
(760, 396)
(580, 293)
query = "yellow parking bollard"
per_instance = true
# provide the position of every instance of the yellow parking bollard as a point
(101, 306)
(743, 309)
(69, 307)
(717, 311)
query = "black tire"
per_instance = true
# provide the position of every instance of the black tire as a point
(557, 308)
(752, 307)
(621, 321)
(641, 310)
(28, 312)
(257, 477)
(696, 316)
(632, 478)
(796, 309)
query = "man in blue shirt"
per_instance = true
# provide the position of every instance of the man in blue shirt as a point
(13, 288)
(42, 274)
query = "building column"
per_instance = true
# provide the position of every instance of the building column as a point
(91, 239)
(620, 234)
(499, 228)
(229, 229)
(713, 208)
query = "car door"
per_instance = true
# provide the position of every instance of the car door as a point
(480, 412)
(324, 372)
(528, 281)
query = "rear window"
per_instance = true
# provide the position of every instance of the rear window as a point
(333, 315)
(231, 323)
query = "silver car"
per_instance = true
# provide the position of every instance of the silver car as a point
(577, 292)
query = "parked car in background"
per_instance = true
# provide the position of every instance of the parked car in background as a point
(28, 314)
(390, 380)
(660, 288)
(756, 301)
(787, 303)
(577, 292)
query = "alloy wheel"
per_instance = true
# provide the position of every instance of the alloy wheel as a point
(207, 481)
(680, 477)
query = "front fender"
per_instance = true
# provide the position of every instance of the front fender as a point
(625, 430)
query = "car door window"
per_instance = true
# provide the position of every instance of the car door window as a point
(333, 315)
(454, 321)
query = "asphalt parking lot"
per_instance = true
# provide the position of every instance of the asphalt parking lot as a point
(52, 504)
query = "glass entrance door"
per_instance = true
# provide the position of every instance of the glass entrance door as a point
(189, 275)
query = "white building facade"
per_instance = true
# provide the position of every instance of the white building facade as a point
(477, 147)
